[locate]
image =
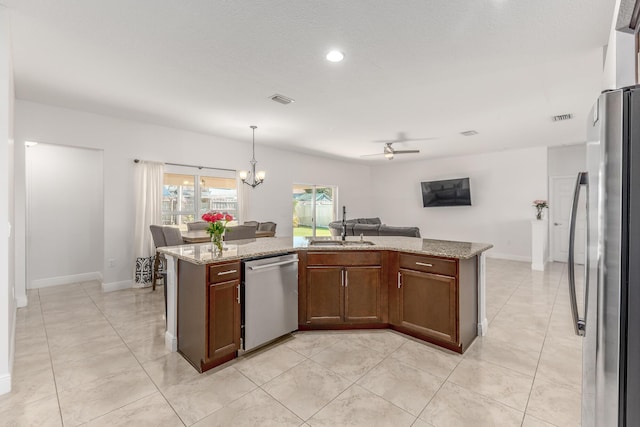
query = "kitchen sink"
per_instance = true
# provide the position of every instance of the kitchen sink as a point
(340, 243)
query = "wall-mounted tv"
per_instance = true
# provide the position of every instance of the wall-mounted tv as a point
(450, 192)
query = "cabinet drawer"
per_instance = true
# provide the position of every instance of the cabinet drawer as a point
(446, 267)
(344, 258)
(217, 273)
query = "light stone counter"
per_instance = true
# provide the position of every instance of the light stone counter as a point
(242, 249)
(201, 254)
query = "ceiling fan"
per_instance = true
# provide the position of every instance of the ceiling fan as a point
(389, 152)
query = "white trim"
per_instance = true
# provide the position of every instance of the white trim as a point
(65, 280)
(5, 383)
(116, 286)
(483, 324)
(171, 334)
(21, 301)
(509, 257)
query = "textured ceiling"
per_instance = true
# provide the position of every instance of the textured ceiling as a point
(425, 68)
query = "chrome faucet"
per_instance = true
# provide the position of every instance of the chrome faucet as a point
(344, 223)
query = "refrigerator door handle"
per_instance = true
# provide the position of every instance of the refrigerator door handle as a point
(578, 324)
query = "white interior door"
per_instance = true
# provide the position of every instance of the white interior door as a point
(562, 189)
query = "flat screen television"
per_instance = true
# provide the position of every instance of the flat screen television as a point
(450, 192)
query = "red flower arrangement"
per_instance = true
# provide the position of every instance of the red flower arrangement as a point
(217, 226)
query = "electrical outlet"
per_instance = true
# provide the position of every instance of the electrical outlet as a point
(111, 262)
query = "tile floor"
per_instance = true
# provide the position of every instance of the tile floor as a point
(98, 359)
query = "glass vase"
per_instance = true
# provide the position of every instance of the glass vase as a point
(216, 245)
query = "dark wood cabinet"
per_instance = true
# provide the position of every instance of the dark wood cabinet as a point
(428, 304)
(435, 299)
(224, 320)
(209, 313)
(342, 288)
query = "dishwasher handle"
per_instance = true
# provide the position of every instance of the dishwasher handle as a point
(275, 264)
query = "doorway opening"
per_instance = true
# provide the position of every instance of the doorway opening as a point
(314, 207)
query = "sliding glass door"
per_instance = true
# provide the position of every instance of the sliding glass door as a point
(314, 207)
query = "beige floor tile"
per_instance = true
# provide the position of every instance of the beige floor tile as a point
(306, 388)
(350, 360)
(525, 339)
(505, 355)
(193, 400)
(170, 370)
(82, 348)
(311, 343)
(382, 341)
(91, 400)
(421, 423)
(254, 409)
(434, 361)
(267, 364)
(561, 361)
(530, 421)
(149, 411)
(28, 387)
(72, 373)
(148, 349)
(406, 387)
(555, 403)
(40, 413)
(504, 385)
(454, 406)
(359, 407)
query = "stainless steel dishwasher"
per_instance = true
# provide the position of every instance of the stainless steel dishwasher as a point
(270, 299)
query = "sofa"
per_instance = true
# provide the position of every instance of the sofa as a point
(371, 227)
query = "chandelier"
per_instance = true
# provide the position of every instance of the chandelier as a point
(252, 177)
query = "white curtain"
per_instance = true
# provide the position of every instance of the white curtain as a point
(148, 179)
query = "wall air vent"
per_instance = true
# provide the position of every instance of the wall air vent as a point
(281, 99)
(469, 133)
(562, 117)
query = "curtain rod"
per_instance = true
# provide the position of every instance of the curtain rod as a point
(192, 166)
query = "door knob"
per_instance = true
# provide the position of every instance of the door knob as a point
(556, 223)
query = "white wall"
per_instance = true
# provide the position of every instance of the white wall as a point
(503, 187)
(123, 140)
(65, 215)
(7, 305)
(567, 160)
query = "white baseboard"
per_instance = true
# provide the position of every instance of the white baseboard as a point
(65, 280)
(22, 301)
(509, 257)
(116, 286)
(5, 383)
(539, 266)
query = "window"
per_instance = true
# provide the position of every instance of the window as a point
(183, 201)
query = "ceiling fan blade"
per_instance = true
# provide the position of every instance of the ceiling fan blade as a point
(406, 151)
(385, 141)
(420, 139)
(373, 155)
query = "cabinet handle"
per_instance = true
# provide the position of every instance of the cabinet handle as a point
(424, 264)
(342, 278)
(238, 288)
(222, 273)
(346, 279)
(399, 280)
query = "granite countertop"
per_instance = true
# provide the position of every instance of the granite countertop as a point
(242, 249)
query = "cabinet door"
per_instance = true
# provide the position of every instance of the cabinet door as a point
(362, 294)
(324, 295)
(223, 321)
(428, 304)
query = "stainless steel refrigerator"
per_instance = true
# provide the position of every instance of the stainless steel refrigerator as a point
(609, 315)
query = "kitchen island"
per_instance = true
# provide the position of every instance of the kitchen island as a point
(431, 289)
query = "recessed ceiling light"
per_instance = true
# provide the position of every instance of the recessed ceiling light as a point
(335, 56)
(30, 143)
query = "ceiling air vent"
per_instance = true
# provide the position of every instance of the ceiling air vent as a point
(281, 99)
(469, 133)
(562, 117)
